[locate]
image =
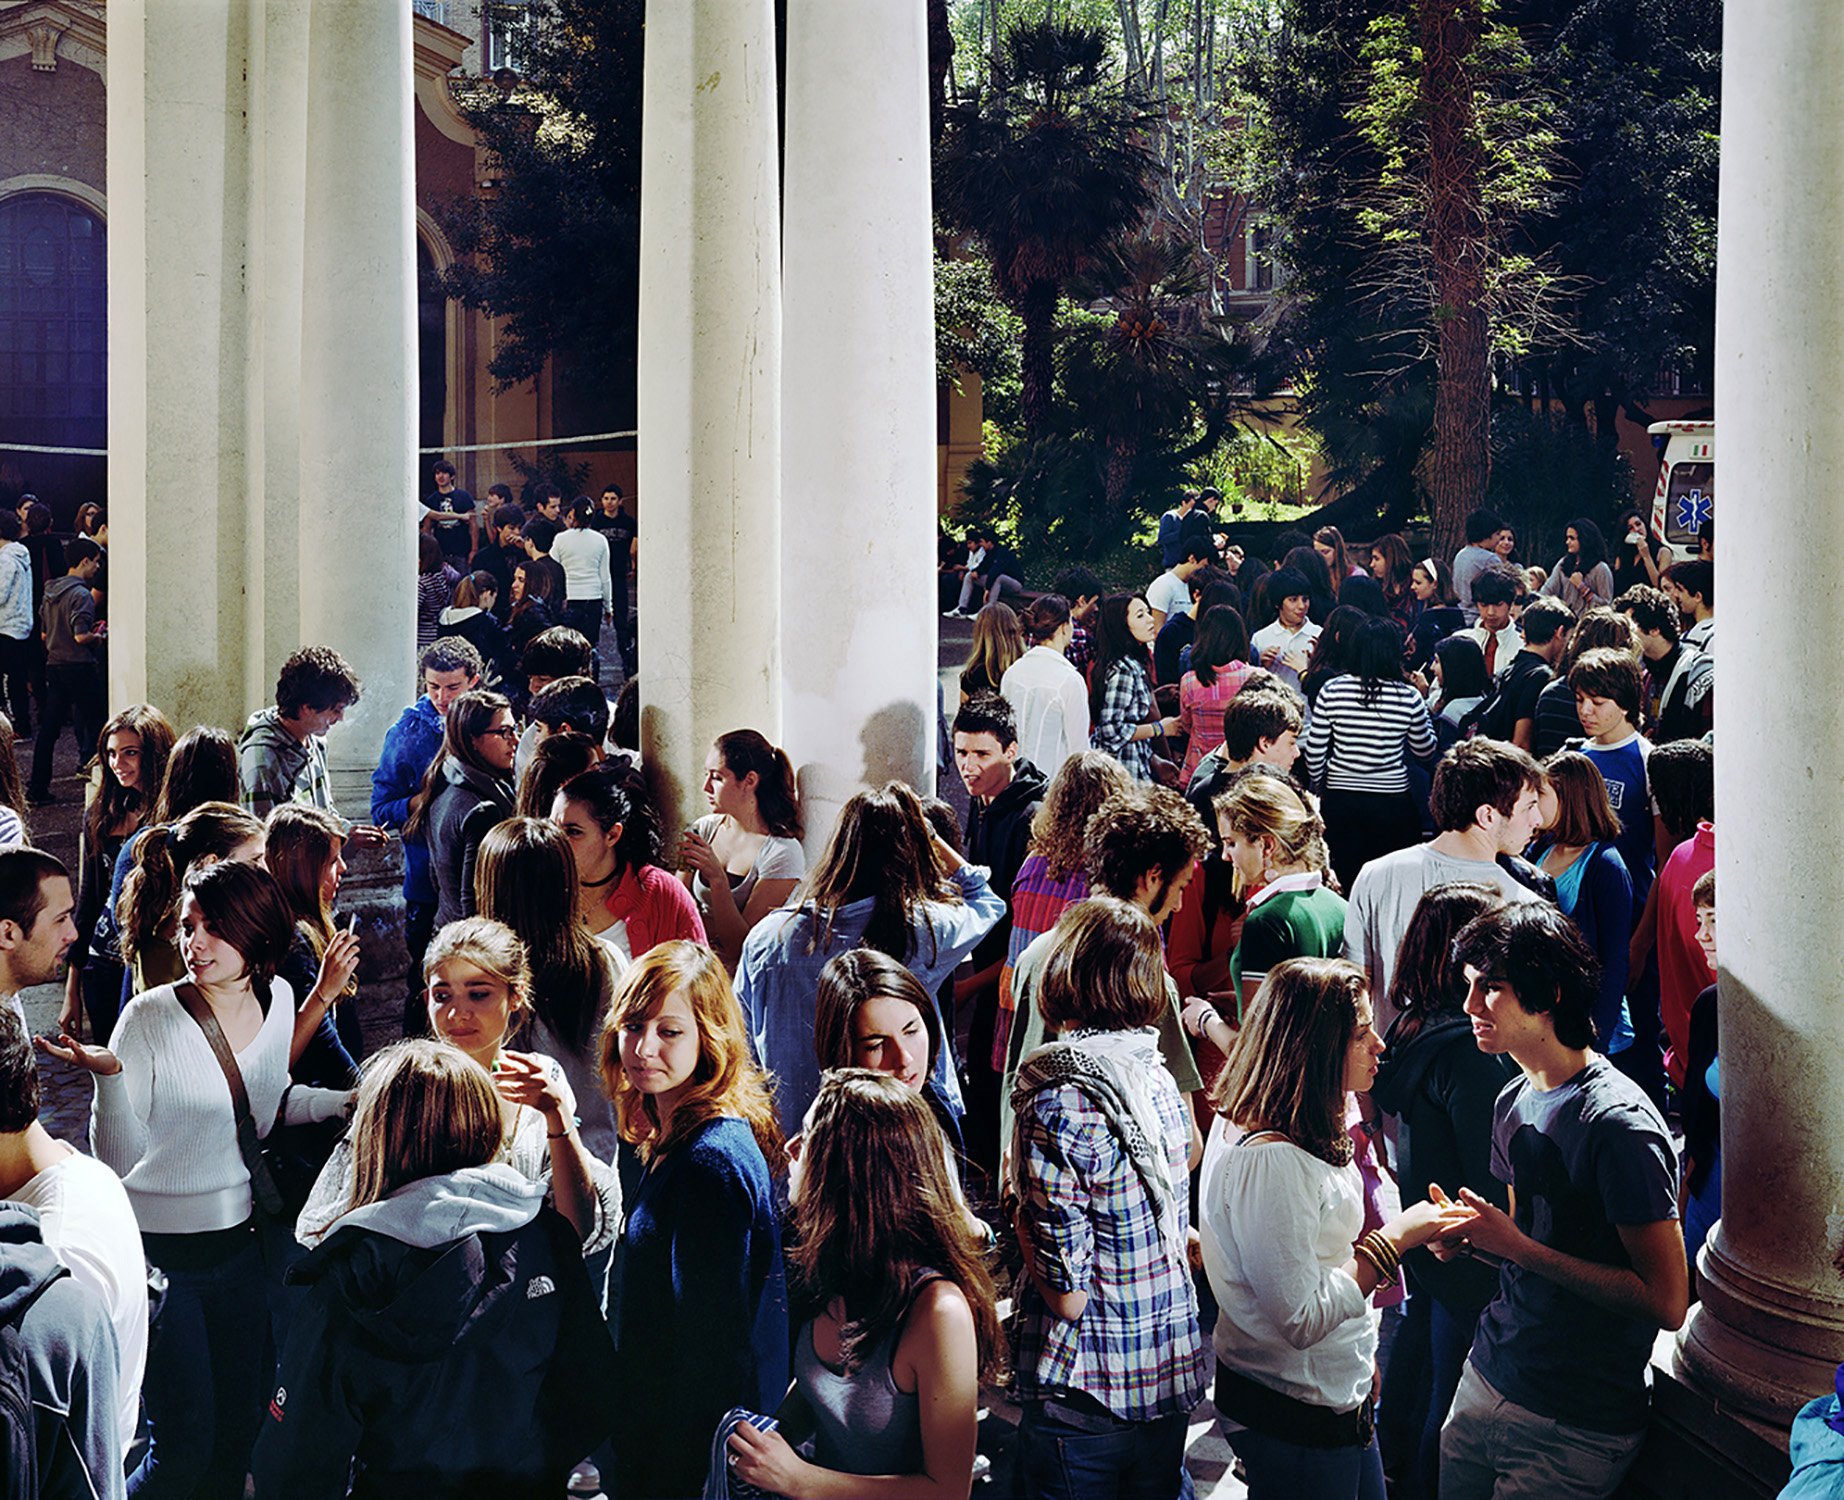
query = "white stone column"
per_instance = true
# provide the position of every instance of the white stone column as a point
(181, 357)
(709, 408)
(357, 514)
(858, 466)
(1770, 1329)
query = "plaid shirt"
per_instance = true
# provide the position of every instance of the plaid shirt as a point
(1126, 703)
(1081, 652)
(1137, 1347)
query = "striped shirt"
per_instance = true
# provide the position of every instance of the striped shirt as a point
(1038, 900)
(1137, 1348)
(1354, 746)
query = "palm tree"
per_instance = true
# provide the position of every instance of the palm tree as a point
(1046, 169)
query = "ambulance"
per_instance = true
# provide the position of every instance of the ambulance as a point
(1686, 494)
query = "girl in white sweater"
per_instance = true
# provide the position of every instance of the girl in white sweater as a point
(163, 1119)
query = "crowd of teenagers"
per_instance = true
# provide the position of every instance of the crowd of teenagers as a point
(1273, 996)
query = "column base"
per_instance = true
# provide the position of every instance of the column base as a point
(1697, 1447)
(1760, 1348)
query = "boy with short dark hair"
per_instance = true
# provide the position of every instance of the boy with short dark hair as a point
(1681, 677)
(1261, 726)
(282, 752)
(1285, 646)
(1494, 592)
(449, 511)
(1554, 1399)
(1479, 555)
(1609, 693)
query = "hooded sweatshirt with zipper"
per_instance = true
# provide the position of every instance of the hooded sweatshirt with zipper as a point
(448, 1342)
(1442, 1089)
(67, 1349)
(410, 748)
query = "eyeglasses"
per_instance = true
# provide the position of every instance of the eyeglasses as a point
(504, 732)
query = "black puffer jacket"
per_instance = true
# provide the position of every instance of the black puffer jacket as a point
(1442, 1088)
(448, 1345)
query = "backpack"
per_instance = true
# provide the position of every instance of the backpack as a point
(19, 1419)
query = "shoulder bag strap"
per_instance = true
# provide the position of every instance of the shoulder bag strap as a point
(262, 1184)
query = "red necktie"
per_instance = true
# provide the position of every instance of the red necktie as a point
(1491, 653)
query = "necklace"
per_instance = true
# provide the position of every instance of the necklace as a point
(594, 885)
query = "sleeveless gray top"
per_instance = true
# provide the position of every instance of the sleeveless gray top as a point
(862, 1423)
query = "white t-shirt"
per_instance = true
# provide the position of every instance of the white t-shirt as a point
(1276, 636)
(87, 1223)
(1169, 594)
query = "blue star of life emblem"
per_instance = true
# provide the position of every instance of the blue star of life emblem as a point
(1694, 509)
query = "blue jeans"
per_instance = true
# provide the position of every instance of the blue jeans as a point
(1279, 1470)
(1063, 1460)
(208, 1368)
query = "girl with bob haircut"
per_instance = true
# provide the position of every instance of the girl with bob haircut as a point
(479, 988)
(162, 1119)
(885, 881)
(1441, 1088)
(1101, 1147)
(447, 1283)
(465, 791)
(1593, 886)
(1219, 666)
(612, 828)
(164, 855)
(1054, 875)
(125, 777)
(893, 1295)
(1282, 1210)
(1461, 684)
(697, 1304)
(526, 878)
(302, 849)
(743, 859)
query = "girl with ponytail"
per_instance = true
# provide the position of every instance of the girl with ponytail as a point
(1274, 839)
(743, 859)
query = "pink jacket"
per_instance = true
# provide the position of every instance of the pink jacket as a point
(656, 907)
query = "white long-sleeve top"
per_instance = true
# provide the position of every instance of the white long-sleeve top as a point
(1278, 1225)
(1051, 702)
(165, 1122)
(583, 554)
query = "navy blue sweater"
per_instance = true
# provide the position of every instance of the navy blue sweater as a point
(697, 1306)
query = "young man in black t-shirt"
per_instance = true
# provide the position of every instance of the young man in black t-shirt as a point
(1512, 714)
(450, 513)
(501, 551)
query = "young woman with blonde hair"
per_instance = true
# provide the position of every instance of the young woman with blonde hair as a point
(697, 1303)
(1281, 1213)
(448, 1340)
(892, 1290)
(998, 641)
(1274, 840)
(479, 988)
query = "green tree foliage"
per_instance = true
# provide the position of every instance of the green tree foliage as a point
(1045, 169)
(554, 252)
(1634, 217)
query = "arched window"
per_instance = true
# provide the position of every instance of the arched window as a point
(54, 312)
